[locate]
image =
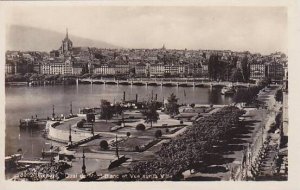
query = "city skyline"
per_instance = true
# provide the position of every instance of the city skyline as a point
(177, 27)
(106, 93)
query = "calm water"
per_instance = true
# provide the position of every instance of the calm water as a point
(24, 102)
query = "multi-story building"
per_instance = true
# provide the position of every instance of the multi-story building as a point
(275, 71)
(9, 67)
(157, 70)
(45, 68)
(77, 68)
(171, 70)
(122, 69)
(61, 67)
(141, 70)
(182, 70)
(104, 69)
(17, 67)
(36, 68)
(57, 66)
(204, 66)
(257, 71)
(194, 70)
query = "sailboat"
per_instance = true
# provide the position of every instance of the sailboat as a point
(119, 160)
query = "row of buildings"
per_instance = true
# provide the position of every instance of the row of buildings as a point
(69, 60)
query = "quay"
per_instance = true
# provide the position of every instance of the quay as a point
(33, 162)
(83, 141)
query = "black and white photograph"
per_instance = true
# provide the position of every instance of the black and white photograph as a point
(125, 93)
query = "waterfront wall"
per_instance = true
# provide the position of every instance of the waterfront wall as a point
(63, 135)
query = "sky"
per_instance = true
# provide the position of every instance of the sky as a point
(256, 29)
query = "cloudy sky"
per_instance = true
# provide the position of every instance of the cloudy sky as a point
(257, 29)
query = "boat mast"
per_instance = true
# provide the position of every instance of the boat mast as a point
(71, 110)
(70, 135)
(53, 113)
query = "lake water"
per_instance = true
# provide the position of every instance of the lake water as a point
(24, 102)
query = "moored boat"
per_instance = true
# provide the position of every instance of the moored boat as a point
(28, 123)
(117, 162)
(227, 91)
(11, 161)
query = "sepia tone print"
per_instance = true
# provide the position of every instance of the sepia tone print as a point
(146, 93)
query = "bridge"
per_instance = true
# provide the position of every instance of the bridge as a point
(163, 82)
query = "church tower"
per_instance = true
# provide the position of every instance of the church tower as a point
(67, 45)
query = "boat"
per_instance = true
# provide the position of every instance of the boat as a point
(29, 123)
(117, 162)
(11, 161)
(228, 90)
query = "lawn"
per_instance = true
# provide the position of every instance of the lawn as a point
(103, 126)
(130, 144)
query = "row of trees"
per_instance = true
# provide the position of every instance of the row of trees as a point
(150, 110)
(188, 150)
(248, 95)
(229, 70)
(37, 77)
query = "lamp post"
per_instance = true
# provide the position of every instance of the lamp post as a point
(83, 164)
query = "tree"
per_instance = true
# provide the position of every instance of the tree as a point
(106, 110)
(245, 69)
(172, 106)
(128, 134)
(236, 75)
(104, 145)
(264, 82)
(279, 96)
(192, 105)
(158, 133)
(246, 95)
(140, 127)
(212, 66)
(151, 113)
(118, 109)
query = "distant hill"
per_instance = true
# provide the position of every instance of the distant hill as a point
(26, 38)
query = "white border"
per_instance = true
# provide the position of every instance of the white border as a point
(294, 120)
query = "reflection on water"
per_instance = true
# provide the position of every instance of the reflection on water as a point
(24, 102)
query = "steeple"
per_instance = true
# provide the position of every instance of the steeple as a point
(67, 35)
(67, 44)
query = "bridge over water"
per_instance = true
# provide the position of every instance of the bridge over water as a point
(164, 82)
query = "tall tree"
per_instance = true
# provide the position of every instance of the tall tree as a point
(214, 67)
(245, 67)
(172, 105)
(236, 75)
(151, 113)
(106, 110)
